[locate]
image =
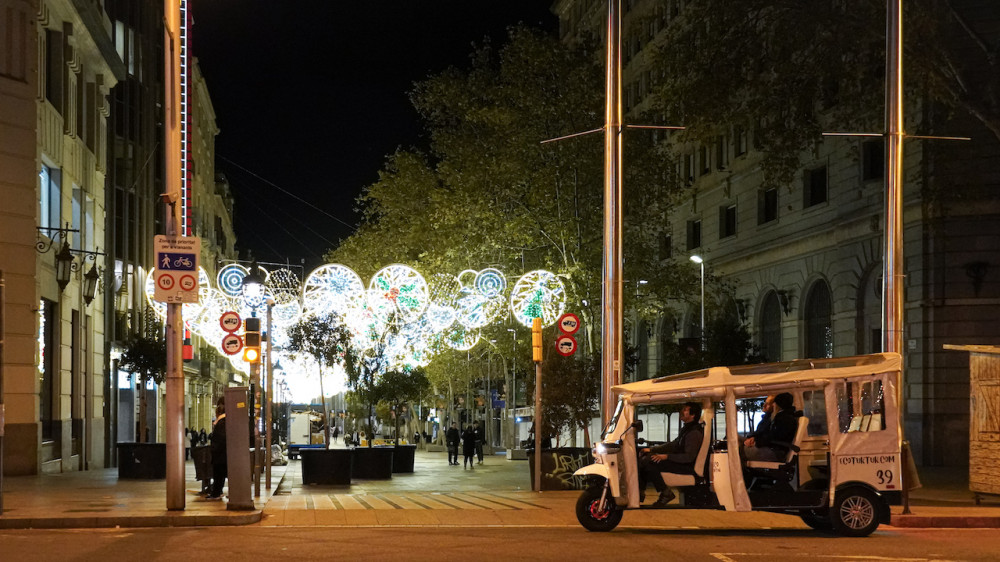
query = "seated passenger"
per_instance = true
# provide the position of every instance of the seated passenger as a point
(764, 425)
(772, 444)
(678, 456)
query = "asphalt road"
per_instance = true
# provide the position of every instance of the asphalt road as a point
(461, 543)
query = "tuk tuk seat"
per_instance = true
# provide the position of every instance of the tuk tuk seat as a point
(676, 480)
(793, 449)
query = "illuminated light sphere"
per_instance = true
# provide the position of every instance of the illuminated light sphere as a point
(490, 283)
(286, 314)
(331, 288)
(230, 280)
(539, 294)
(398, 292)
(150, 289)
(283, 286)
(444, 291)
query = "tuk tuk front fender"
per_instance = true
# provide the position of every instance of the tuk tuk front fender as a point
(603, 471)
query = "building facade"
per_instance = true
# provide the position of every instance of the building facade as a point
(55, 109)
(804, 260)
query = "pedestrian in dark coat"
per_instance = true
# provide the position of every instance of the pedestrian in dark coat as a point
(219, 465)
(480, 439)
(452, 438)
(469, 447)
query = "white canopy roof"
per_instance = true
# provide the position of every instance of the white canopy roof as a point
(757, 379)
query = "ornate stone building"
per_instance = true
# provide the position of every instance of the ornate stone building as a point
(804, 259)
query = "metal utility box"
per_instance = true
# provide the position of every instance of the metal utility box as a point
(984, 418)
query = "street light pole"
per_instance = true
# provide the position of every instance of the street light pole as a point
(269, 397)
(701, 261)
(512, 401)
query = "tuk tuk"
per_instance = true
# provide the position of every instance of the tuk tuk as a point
(842, 470)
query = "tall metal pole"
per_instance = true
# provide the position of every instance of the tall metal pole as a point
(269, 397)
(3, 328)
(892, 266)
(612, 317)
(175, 324)
(702, 263)
(538, 426)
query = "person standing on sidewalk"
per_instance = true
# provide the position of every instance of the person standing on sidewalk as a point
(480, 439)
(469, 447)
(451, 438)
(219, 465)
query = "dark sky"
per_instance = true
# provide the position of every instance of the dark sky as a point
(311, 95)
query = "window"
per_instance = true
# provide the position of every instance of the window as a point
(54, 69)
(15, 23)
(767, 205)
(872, 160)
(860, 406)
(770, 328)
(720, 152)
(693, 234)
(688, 174)
(819, 330)
(740, 140)
(814, 408)
(666, 246)
(49, 201)
(727, 221)
(77, 237)
(703, 160)
(814, 187)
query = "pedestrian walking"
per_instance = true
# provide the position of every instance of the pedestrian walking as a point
(480, 439)
(219, 465)
(452, 438)
(469, 447)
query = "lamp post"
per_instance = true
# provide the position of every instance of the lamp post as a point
(253, 291)
(701, 261)
(512, 408)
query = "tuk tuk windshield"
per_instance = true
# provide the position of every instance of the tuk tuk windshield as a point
(613, 422)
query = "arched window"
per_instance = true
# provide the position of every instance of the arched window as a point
(770, 328)
(819, 327)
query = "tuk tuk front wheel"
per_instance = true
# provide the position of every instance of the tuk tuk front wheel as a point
(855, 512)
(594, 516)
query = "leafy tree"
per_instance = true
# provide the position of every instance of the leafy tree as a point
(396, 387)
(328, 341)
(727, 342)
(571, 387)
(791, 70)
(145, 355)
(365, 367)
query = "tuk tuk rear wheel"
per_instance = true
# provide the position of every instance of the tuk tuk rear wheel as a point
(855, 512)
(592, 515)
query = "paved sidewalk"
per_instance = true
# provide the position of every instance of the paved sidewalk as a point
(97, 498)
(496, 493)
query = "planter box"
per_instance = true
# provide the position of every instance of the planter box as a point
(402, 458)
(147, 461)
(373, 463)
(326, 466)
(558, 466)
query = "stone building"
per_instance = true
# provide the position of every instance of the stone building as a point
(54, 83)
(804, 259)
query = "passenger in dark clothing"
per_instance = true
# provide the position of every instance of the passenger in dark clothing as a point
(678, 456)
(772, 445)
(469, 447)
(219, 465)
(764, 425)
(452, 437)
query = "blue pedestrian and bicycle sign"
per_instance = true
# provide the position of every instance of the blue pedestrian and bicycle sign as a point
(173, 261)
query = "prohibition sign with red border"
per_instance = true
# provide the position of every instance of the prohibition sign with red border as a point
(565, 345)
(569, 323)
(232, 340)
(230, 321)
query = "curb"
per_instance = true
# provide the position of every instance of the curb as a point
(131, 521)
(946, 521)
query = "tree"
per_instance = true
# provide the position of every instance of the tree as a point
(789, 71)
(396, 387)
(365, 366)
(328, 341)
(145, 355)
(571, 387)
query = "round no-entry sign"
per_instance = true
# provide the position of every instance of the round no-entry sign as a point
(569, 323)
(230, 321)
(232, 344)
(565, 345)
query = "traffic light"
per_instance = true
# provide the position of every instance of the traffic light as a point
(251, 341)
(536, 340)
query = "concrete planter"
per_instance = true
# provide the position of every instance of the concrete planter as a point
(373, 463)
(331, 467)
(402, 458)
(558, 466)
(142, 461)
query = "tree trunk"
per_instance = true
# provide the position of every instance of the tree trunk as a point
(141, 438)
(326, 412)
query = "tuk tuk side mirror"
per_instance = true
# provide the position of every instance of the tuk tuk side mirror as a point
(637, 425)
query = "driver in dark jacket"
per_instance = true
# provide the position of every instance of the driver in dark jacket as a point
(678, 456)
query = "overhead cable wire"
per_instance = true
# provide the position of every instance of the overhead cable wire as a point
(286, 192)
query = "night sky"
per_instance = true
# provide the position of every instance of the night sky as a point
(311, 95)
